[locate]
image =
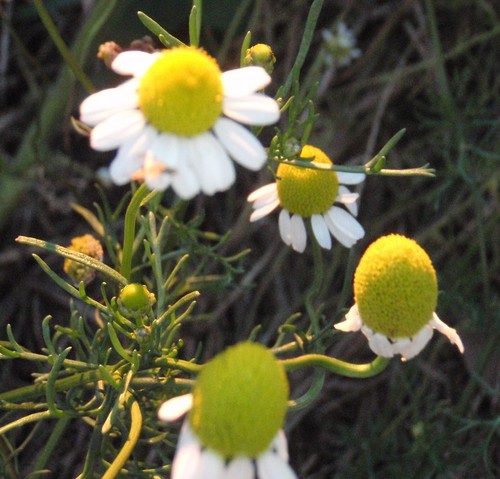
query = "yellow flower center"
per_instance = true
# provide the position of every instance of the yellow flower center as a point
(240, 401)
(395, 287)
(307, 191)
(181, 92)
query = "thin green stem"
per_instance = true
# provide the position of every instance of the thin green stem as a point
(129, 233)
(62, 47)
(52, 443)
(315, 287)
(133, 436)
(337, 366)
(37, 416)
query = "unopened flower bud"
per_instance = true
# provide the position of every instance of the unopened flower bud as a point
(136, 298)
(88, 245)
(260, 55)
(108, 51)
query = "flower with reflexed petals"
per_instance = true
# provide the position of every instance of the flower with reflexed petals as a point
(176, 121)
(236, 411)
(395, 293)
(310, 193)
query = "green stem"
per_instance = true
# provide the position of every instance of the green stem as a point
(37, 416)
(337, 366)
(133, 436)
(52, 443)
(62, 47)
(315, 287)
(129, 233)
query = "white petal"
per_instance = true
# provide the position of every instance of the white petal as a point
(321, 232)
(450, 333)
(256, 109)
(343, 226)
(105, 103)
(350, 178)
(184, 181)
(244, 81)
(264, 210)
(133, 62)
(175, 408)
(411, 347)
(123, 167)
(266, 191)
(239, 468)
(348, 199)
(117, 130)
(188, 456)
(379, 343)
(211, 465)
(299, 233)
(352, 321)
(240, 143)
(166, 150)
(270, 466)
(210, 163)
(280, 445)
(285, 227)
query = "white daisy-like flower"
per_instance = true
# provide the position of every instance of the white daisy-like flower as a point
(395, 290)
(233, 430)
(176, 122)
(306, 193)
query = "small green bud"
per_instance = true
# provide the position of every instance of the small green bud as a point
(88, 245)
(260, 55)
(136, 297)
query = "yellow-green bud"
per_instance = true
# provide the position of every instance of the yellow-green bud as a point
(136, 297)
(88, 245)
(260, 55)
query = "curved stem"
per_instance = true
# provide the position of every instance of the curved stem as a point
(128, 447)
(337, 366)
(129, 232)
(311, 394)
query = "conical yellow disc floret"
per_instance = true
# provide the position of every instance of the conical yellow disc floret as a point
(306, 191)
(181, 93)
(240, 401)
(395, 287)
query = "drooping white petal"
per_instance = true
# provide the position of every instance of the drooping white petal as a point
(166, 150)
(239, 468)
(350, 178)
(133, 62)
(210, 163)
(285, 227)
(240, 143)
(263, 193)
(116, 130)
(210, 465)
(409, 348)
(299, 233)
(271, 466)
(450, 333)
(255, 109)
(379, 343)
(244, 81)
(155, 175)
(264, 210)
(105, 103)
(188, 456)
(280, 445)
(123, 167)
(348, 199)
(343, 226)
(184, 181)
(352, 322)
(321, 232)
(175, 408)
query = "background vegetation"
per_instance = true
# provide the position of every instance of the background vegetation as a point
(430, 66)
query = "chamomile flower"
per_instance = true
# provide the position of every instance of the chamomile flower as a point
(309, 194)
(395, 293)
(236, 411)
(176, 121)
